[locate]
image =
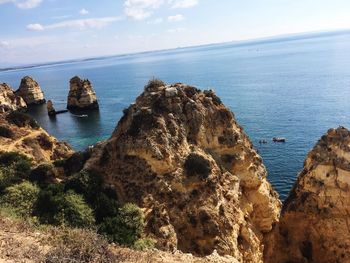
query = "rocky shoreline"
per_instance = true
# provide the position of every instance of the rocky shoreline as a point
(180, 155)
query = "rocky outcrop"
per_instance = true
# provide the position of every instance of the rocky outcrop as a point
(50, 108)
(180, 155)
(30, 91)
(314, 224)
(21, 133)
(9, 101)
(81, 95)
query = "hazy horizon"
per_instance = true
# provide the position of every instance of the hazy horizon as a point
(57, 30)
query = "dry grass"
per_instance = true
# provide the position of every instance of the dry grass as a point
(23, 241)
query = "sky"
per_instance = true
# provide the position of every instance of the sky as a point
(36, 31)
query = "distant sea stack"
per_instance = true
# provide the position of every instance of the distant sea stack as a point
(30, 91)
(81, 95)
(9, 101)
(179, 153)
(314, 224)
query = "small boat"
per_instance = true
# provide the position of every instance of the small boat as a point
(279, 139)
(262, 141)
(80, 116)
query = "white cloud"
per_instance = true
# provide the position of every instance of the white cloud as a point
(76, 24)
(4, 44)
(26, 4)
(155, 21)
(176, 30)
(84, 12)
(183, 3)
(176, 18)
(141, 9)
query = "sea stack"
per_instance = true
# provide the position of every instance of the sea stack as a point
(81, 95)
(314, 224)
(9, 101)
(50, 108)
(179, 153)
(30, 91)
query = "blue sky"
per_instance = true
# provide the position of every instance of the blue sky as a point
(34, 31)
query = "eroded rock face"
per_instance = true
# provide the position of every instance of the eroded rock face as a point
(9, 101)
(179, 153)
(50, 108)
(314, 224)
(81, 95)
(21, 133)
(30, 91)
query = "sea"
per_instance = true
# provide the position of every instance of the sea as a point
(295, 87)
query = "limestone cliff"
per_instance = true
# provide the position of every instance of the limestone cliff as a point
(30, 91)
(179, 153)
(81, 95)
(20, 133)
(9, 100)
(314, 224)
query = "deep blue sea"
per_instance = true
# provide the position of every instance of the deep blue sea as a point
(294, 87)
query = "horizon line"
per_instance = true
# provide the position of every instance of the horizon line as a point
(301, 35)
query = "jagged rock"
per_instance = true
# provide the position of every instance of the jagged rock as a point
(81, 95)
(30, 91)
(21, 133)
(314, 224)
(180, 155)
(50, 108)
(9, 100)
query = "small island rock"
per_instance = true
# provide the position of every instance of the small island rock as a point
(9, 100)
(30, 91)
(50, 108)
(81, 95)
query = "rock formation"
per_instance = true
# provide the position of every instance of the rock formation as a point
(9, 101)
(179, 153)
(81, 95)
(30, 91)
(314, 224)
(21, 133)
(50, 108)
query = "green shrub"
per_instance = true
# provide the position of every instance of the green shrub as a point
(56, 207)
(105, 206)
(86, 183)
(42, 174)
(17, 164)
(154, 84)
(144, 244)
(21, 197)
(196, 164)
(126, 228)
(21, 120)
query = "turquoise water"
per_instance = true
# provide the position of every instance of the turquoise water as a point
(293, 87)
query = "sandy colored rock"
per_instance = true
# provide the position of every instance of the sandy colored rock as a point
(9, 100)
(180, 155)
(81, 95)
(21, 133)
(30, 91)
(314, 224)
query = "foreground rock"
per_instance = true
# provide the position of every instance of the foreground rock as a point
(21, 133)
(81, 95)
(314, 225)
(9, 101)
(179, 153)
(30, 91)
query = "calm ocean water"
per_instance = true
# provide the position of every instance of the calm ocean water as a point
(297, 88)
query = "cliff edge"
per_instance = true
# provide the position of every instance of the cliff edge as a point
(314, 224)
(180, 155)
